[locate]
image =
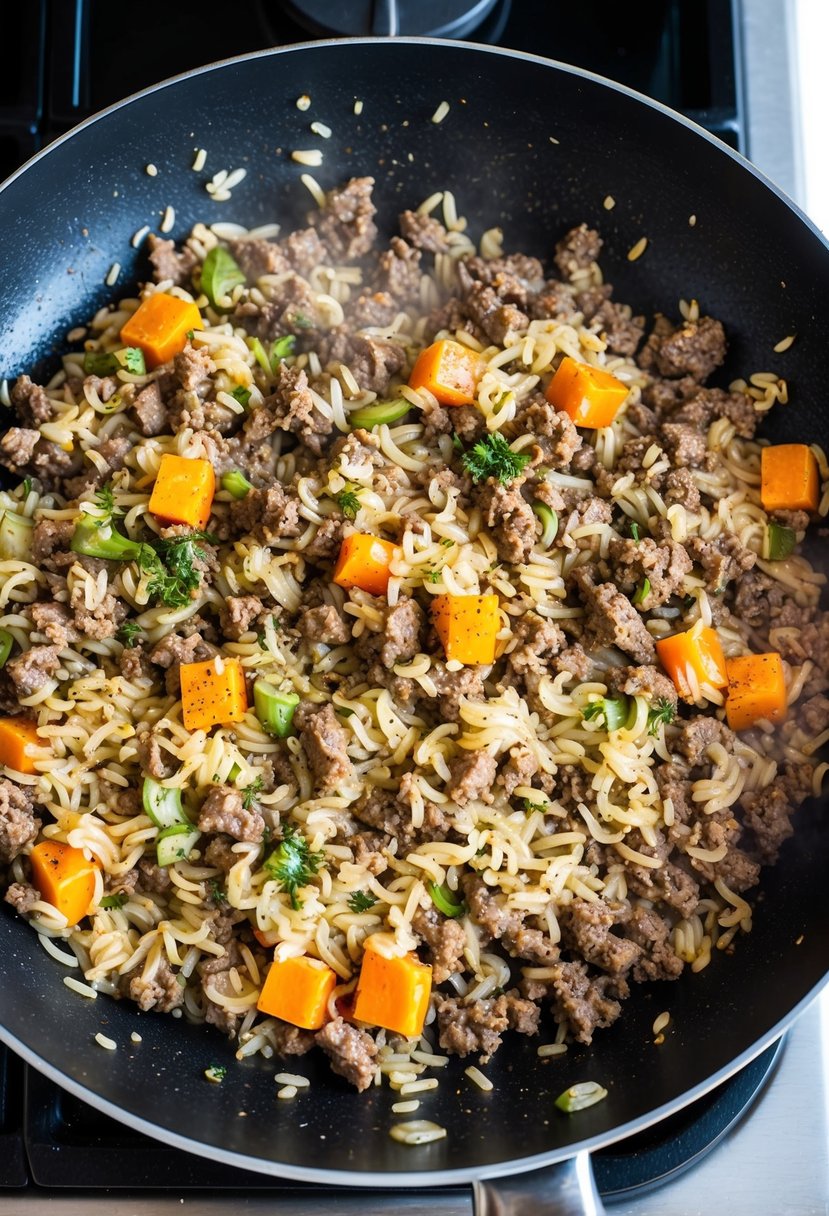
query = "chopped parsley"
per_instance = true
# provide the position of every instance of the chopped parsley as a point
(361, 901)
(215, 893)
(281, 348)
(174, 574)
(129, 633)
(661, 711)
(105, 500)
(242, 395)
(293, 864)
(300, 320)
(348, 500)
(493, 457)
(456, 442)
(113, 901)
(216, 1073)
(134, 361)
(529, 806)
(251, 792)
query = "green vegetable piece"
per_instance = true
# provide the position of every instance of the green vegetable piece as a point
(661, 711)
(614, 710)
(642, 591)
(100, 363)
(274, 709)
(259, 354)
(163, 805)
(134, 360)
(549, 523)
(113, 901)
(96, 538)
(236, 484)
(15, 537)
(251, 792)
(6, 643)
(348, 500)
(493, 457)
(361, 901)
(176, 843)
(174, 570)
(579, 1097)
(300, 321)
(128, 634)
(293, 864)
(369, 416)
(781, 542)
(242, 395)
(216, 1073)
(444, 901)
(635, 530)
(281, 349)
(219, 275)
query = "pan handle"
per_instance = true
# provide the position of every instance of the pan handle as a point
(384, 18)
(567, 1188)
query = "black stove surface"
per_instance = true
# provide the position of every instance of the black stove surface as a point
(67, 59)
(51, 1142)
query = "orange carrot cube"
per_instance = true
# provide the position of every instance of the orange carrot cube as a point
(756, 690)
(789, 478)
(364, 562)
(690, 659)
(213, 693)
(160, 325)
(183, 491)
(393, 992)
(467, 625)
(64, 877)
(449, 371)
(588, 394)
(296, 990)
(16, 737)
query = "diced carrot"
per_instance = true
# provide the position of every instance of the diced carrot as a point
(364, 562)
(588, 394)
(64, 877)
(183, 490)
(212, 693)
(756, 689)
(297, 991)
(449, 371)
(789, 478)
(16, 736)
(467, 625)
(693, 658)
(160, 325)
(393, 992)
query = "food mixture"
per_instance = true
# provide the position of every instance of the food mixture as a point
(403, 646)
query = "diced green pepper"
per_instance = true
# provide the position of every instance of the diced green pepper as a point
(549, 523)
(6, 643)
(781, 542)
(236, 484)
(219, 275)
(274, 709)
(380, 412)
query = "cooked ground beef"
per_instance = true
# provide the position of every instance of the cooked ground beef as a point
(587, 928)
(586, 1004)
(352, 1052)
(223, 810)
(472, 777)
(33, 669)
(323, 624)
(162, 992)
(445, 939)
(613, 621)
(18, 825)
(510, 520)
(324, 741)
(654, 571)
(693, 348)
(577, 250)
(238, 614)
(22, 896)
(478, 1027)
(346, 222)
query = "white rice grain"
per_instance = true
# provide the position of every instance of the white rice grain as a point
(151, 170)
(418, 1087)
(692, 220)
(405, 1108)
(315, 189)
(291, 1078)
(784, 344)
(61, 956)
(477, 1078)
(103, 1041)
(661, 1022)
(303, 102)
(168, 219)
(199, 160)
(312, 157)
(136, 1037)
(79, 987)
(76, 334)
(138, 237)
(547, 1050)
(358, 106)
(112, 276)
(5, 399)
(287, 1091)
(321, 129)
(609, 202)
(417, 1131)
(638, 249)
(441, 112)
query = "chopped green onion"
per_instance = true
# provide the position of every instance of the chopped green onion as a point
(134, 360)
(781, 542)
(579, 1097)
(236, 484)
(274, 709)
(614, 710)
(380, 412)
(219, 275)
(642, 591)
(163, 805)
(235, 770)
(443, 900)
(15, 537)
(259, 354)
(6, 643)
(281, 349)
(113, 901)
(26, 486)
(100, 363)
(242, 395)
(635, 530)
(549, 523)
(175, 843)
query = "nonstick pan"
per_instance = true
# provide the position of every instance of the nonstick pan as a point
(534, 147)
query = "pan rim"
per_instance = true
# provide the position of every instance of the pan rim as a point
(391, 1180)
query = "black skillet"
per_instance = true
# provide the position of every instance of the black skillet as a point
(535, 147)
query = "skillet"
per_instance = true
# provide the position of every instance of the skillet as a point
(535, 147)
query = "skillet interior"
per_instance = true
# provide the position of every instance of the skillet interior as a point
(750, 260)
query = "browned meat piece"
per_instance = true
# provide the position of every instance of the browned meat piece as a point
(152, 757)
(324, 741)
(643, 565)
(269, 515)
(798, 521)
(445, 940)
(346, 222)
(538, 641)
(587, 928)
(685, 446)
(193, 368)
(290, 1040)
(510, 520)
(105, 387)
(100, 622)
(223, 810)
(352, 1052)
(173, 650)
(163, 992)
(516, 278)
(533, 946)
(33, 669)
(55, 622)
(488, 910)
(692, 348)
(22, 896)
(402, 632)
(519, 769)
(652, 933)
(704, 406)
(472, 777)
(376, 309)
(500, 322)
(323, 624)
(586, 1004)
(155, 880)
(398, 271)
(451, 686)
(612, 620)
(293, 408)
(476, 1027)
(664, 396)
(577, 250)
(675, 783)
(368, 849)
(30, 402)
(669, 884)
(325, 544)
(697, 735)
(168, 263)
(522, 1015)
(219, 853)
(18, 825)
(256, 257)
(390, 811)
(643, 682)
(292, 306)
(767, 812)
(554, 431)
(722, 559)
(51, 536)
(360, 450)
(423, 232)
(736, 869)
(373, 362)
(574, 661)
(681, 488)
(238, 614)
(304, 250)
(149, 410)
(620, 329)
(813, 715)
(17, 447)
(763, 604)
